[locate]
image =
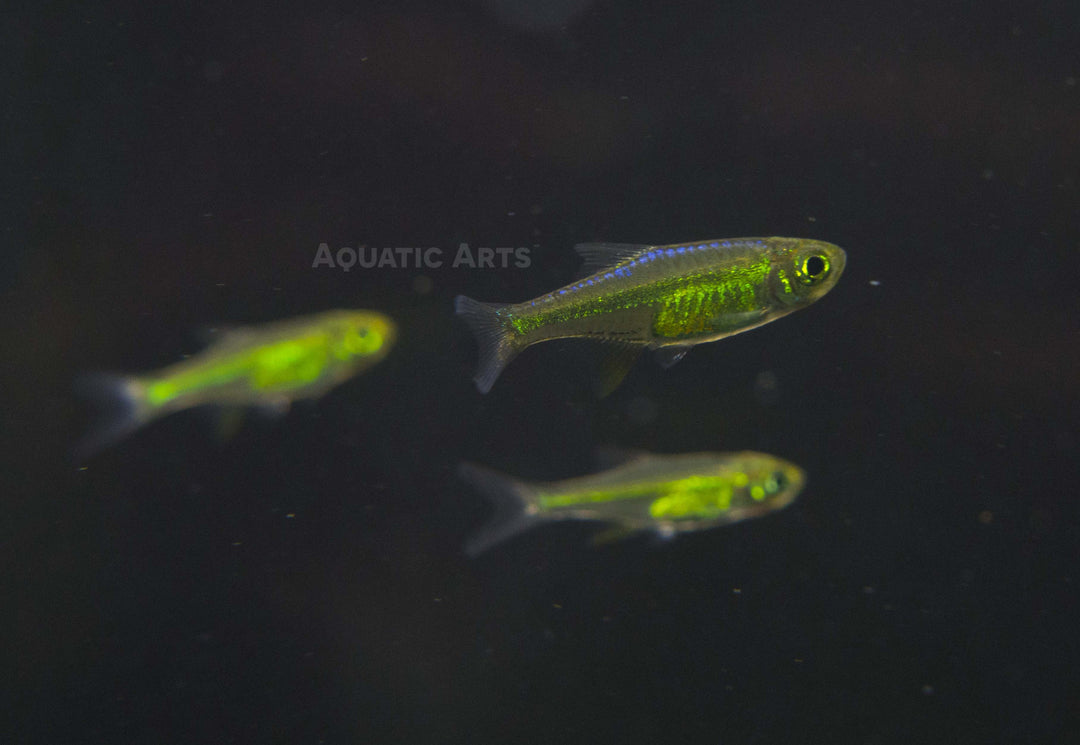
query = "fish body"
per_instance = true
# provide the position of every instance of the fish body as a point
(268, 366)
(662, 298)
(663, 494)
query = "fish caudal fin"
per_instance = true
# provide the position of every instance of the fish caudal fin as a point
(493, 335)
(512, 502)
(121, 402)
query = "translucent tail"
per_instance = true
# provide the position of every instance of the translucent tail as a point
(122, 406)
(495, 338)
(512, 500)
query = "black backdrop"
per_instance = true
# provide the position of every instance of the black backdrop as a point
(303, 582)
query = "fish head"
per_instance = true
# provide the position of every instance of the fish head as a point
(803, 270)
(361, 336)
(766, 483)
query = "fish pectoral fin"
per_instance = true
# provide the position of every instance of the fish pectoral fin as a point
(668, 356)
(599, 256)
(613, 534)
(615, 362)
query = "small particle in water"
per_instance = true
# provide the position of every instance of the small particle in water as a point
(290, 514)
(928, 690)
(736, 590)
(988, 174)
(986, 517)
(875, 283)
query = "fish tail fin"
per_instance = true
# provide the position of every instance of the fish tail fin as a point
(122, 408)
(494, 336)
(513, 501)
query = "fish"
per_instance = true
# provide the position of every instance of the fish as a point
(646, 493)
(666, 299)
(266, 366)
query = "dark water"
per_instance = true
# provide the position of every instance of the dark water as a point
(304, 583)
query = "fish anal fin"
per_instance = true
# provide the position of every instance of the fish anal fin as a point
(613, 534)
(229, 421)
(616, 359)
(599, 256)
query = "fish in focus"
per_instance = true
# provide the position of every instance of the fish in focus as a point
(663, 494)
(267, 366)
(662, 298)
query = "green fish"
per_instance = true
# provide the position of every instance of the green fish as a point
(663, 494)
(267, 366)
(664, 298)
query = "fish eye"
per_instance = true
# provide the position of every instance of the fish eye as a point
(813, 268)
(776, 482)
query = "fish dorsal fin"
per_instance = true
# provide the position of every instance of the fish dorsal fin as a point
(668, 356)
(608, 456)
(599, 256)
(225, 336)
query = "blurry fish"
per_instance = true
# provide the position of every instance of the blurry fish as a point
(267, 366)
(663, 298)
(664, 494)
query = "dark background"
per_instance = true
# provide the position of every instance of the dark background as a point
(166, 170)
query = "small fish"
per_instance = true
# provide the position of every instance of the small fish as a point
(663, 298)
(266, 366)
(664, 494)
